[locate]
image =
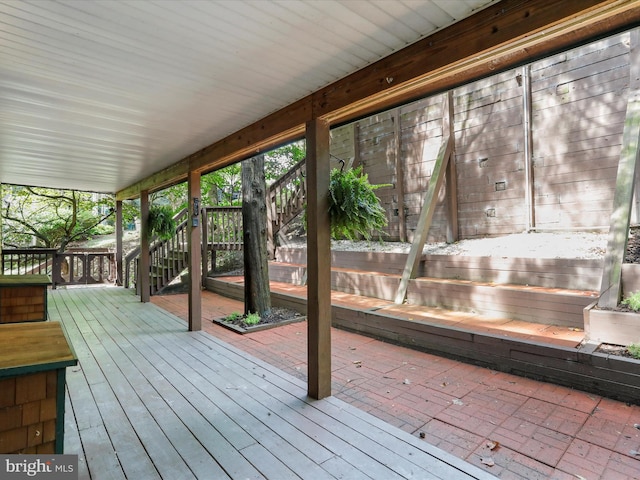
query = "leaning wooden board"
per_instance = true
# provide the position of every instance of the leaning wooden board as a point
(33, 360)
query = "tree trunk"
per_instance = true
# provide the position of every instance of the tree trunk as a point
(257, 295)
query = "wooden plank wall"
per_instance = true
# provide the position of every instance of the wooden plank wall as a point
(579, 101)
(578, 106)
(489, 140)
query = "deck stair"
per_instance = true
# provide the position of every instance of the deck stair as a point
(548, 292)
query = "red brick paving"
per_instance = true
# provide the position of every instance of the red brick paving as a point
(544, 431)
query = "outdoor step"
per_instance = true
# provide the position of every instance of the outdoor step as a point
(549, 306)
(543, 305)
(572, 273)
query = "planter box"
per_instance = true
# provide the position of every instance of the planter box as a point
(609, 326)
(256, 328)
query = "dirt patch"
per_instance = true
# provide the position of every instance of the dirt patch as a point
(618, 350)
(633, 247)
(277, 316)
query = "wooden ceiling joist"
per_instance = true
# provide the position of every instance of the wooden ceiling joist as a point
(502, 36)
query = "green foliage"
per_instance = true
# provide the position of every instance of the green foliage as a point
(634, 350)
(279, 161)
(161, 222)
(233, 317)
(252, 319)
(354, 208)
(632, 301)
(45, 217)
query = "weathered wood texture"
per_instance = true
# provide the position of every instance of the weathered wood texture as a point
(548, 291)
(575, 274)
(32, 375)
(194, 228)
(28, 412)
(579, 100)
(23, 298)
(577, 107)
(152, 401)
(319, 251)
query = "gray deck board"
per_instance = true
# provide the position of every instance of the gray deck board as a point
(151, 400)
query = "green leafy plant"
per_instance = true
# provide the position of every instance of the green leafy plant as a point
(161, 222)
(232, 317)
(632, 301)
(634, 350)
(252, 319)
(354, 208)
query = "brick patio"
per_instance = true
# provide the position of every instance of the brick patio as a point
(543, 431)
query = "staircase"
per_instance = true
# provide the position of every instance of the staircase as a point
(167, 258)
(221, 230)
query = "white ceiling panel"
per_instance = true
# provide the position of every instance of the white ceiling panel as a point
(97, 95)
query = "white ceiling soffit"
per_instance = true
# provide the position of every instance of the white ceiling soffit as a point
(97, 95)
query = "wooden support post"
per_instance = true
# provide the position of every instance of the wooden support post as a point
(144, 267)
(634, 85)
(426, 215)
(402, 221)
(195, 252)
(611, 286)
(204, 251)
(119, 248)
(451, 175)
(318, 260)
(528, 149)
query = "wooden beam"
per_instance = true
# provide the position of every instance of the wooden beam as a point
(195, 253)
(119, 247)
(426, 215)
(452, 174)
(176, 173)
(399, 164)
(611, 286)
(144, 266)
(527, 110)
(501, 36)
(318, 260)
(634, 84)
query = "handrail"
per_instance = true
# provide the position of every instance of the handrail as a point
(131, 259)
(71, 267)
(221, 230)
(285, 200)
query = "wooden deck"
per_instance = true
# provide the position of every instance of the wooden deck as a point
(150, 400)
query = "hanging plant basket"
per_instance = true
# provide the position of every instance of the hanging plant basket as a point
(354, 208)
(161, 222)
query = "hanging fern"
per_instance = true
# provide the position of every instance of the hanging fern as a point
(354, 208)
(161, 222)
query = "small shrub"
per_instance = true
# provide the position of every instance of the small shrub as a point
(632, 301)
(634, 350)
(232, 317)
(252, 319)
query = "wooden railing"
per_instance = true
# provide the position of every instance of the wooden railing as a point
(221, 230)
(26, 261)
(167, 258)
(71, 267)
(286, 196)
